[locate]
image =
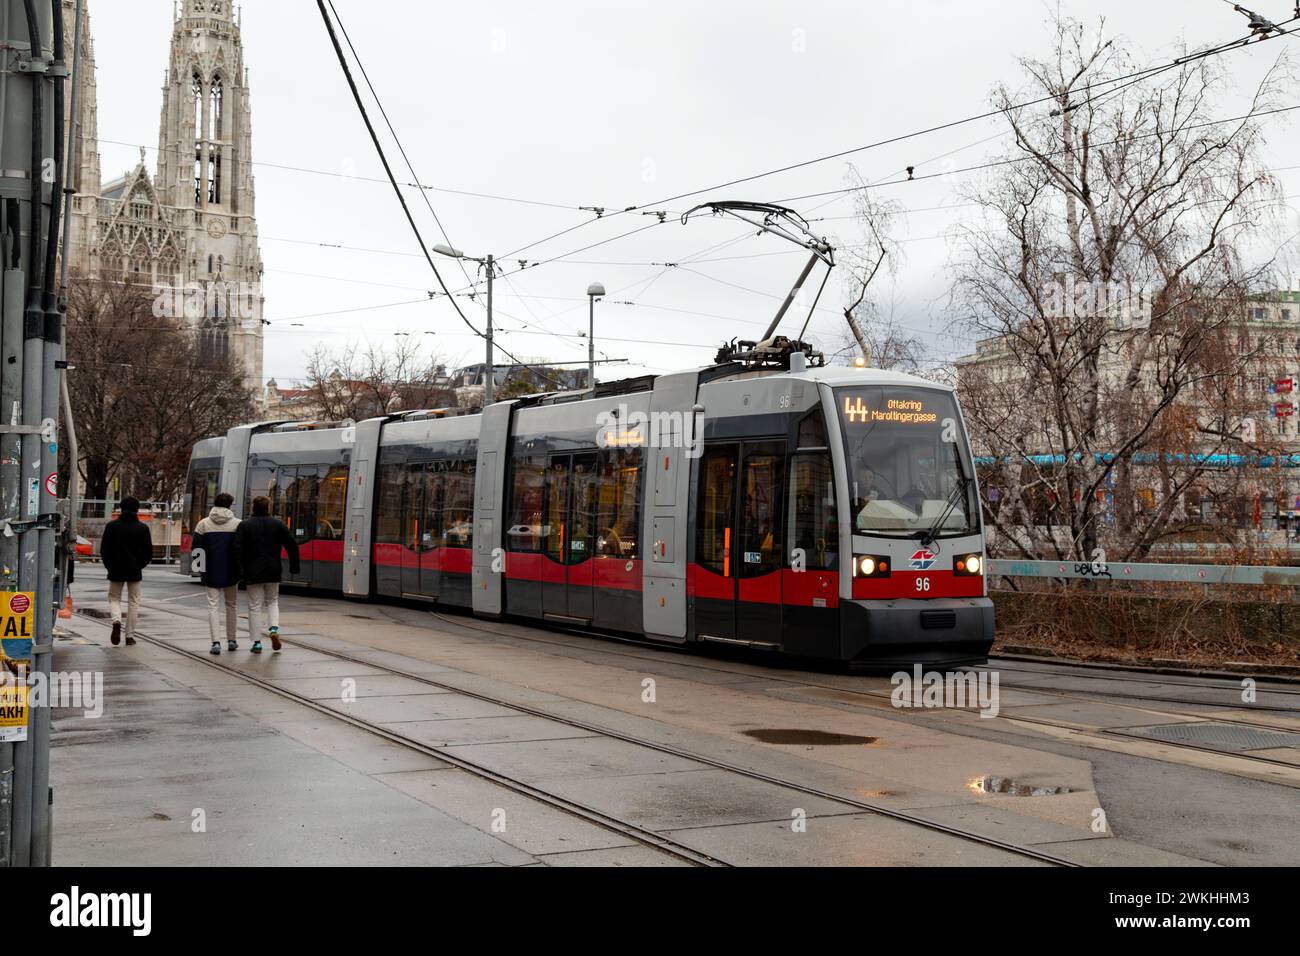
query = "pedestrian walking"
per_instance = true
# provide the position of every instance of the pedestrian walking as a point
(126, 550)
(214, 552)
(260, 540)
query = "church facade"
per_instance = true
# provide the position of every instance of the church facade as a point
(188, 229)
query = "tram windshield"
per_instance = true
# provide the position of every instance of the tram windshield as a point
(909, 470)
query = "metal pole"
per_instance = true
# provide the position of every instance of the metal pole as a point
(46, 605)
(789, 299)
(72, 170)
(591, 345)
(489, 376)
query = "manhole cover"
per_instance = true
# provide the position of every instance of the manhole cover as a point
(1219, 736)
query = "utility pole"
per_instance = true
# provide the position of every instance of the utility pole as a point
(488, 263)
(594, 291)
(33, 79)
(489, 380)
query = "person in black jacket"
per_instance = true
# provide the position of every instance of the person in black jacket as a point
(126, 550)
(214, 554)
(260, 541)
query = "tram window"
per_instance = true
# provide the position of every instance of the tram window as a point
(586, 485)
(717, 510)
(814, 522)
(285, 499)
(812, 430)
(307, 496)
(761, 551)
(203, 489)
(413, 506)
(261, 483)
(554, 521)
(388, 521)
(524, 532)
(333, 504)
(458, 505)
(431, 483)
(618, 518)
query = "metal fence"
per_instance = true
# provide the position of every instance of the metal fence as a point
(1230, 574)
(162, 518)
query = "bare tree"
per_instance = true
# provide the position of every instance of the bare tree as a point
(358, 382)
(144, 390)
(1110, 272)
(865, 262)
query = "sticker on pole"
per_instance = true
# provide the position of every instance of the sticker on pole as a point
(16, 630)
(52, 485)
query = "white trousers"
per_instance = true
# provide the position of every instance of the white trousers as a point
(216, 597)
(263, 597)
(132, 604)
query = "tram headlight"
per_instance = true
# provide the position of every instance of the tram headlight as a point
(969, 565)
(871, 566)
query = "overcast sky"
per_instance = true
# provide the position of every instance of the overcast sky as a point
(613, 104)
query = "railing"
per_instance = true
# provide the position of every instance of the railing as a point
(1242, 574)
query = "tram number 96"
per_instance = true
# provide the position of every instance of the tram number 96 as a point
(922, 585)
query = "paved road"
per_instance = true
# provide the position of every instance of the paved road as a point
(472, 742)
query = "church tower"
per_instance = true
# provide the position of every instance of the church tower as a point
(205, 174)
(83, 170)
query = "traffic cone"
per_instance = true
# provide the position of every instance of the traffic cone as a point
(67, 607)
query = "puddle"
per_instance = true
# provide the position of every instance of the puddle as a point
(808, 738)
(1009, 787)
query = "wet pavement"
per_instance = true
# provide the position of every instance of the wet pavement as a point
(387, 734)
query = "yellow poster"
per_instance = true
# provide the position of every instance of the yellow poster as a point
(16, 633)
(13, 710)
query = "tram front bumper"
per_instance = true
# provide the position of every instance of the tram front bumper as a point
(902, 632)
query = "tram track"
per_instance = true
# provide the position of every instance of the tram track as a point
(1061, 695)
(626, 828)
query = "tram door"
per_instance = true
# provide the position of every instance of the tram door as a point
(422, 535)
(570, 529)
(740, 543)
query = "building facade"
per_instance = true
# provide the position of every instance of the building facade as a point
(1258, 483)
(189, 228)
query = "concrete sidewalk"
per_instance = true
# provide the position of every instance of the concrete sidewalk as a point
(178, 770)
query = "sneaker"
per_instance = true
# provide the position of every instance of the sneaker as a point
(130, 642)
(257, 647)
(216, 649)
(117, 633)
(232, 646)
(275, 639)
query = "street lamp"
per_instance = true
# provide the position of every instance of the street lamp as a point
(490, 265)
(594, 291)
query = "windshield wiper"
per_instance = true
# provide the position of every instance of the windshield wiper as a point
(928, 537)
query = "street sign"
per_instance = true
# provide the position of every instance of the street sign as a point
(17, 619)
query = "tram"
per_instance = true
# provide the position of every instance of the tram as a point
(784, 505)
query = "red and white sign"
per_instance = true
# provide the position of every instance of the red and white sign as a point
(52, 485)
(1285, 385)
(19, 604)
(1284, 410)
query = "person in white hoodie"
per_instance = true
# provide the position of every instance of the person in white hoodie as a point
(214, 555)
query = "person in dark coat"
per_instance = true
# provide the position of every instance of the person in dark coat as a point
(126, 550)
(214, 553)
(260, 541)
